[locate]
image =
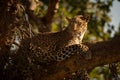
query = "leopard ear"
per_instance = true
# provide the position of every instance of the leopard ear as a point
(68, 18)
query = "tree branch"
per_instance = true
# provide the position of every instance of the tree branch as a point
(104, 52)
(52, 9)
(47, 19)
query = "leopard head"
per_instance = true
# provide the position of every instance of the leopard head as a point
(78, 26)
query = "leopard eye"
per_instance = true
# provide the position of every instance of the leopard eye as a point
(82, 18)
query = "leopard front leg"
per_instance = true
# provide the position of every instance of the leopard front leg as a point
(67, 52)
(84, 51)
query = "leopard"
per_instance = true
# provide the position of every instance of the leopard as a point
(57, 46)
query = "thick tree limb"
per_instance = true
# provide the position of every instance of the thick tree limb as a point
(105, 52)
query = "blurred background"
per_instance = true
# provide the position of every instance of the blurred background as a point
(115, 14)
